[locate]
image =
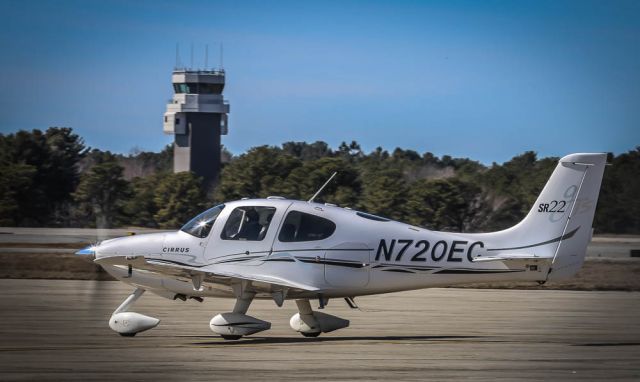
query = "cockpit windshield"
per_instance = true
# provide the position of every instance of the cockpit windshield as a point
(201, 225)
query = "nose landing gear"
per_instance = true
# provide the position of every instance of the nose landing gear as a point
(128, 324)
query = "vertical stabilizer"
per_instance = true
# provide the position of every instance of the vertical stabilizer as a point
(570, 253)
(558, 226)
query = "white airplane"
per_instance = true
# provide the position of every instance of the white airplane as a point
(282, 249)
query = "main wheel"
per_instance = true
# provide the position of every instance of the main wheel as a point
(229, 337)
(313, 334)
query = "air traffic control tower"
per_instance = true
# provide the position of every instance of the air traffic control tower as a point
(197, 115)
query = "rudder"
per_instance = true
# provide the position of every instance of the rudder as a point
(570, 253)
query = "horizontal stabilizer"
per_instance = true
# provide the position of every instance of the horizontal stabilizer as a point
(511, 257)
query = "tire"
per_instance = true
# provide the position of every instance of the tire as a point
(230, 337)
(311, 335)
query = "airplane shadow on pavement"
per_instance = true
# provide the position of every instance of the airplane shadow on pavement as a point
(287, 340)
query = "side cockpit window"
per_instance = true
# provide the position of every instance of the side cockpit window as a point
(248, 223)
(201, 225)
(299, 226)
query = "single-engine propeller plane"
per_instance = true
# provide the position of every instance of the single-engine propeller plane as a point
(282, 249)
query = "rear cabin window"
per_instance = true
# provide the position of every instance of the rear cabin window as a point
(248, 223)
(299, 226)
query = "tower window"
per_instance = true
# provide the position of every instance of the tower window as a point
(197, 88)
(210, 88)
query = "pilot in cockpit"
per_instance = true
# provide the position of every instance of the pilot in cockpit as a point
(251, 227)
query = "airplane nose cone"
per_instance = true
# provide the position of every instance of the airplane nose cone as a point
(89, 251)
(129, 246)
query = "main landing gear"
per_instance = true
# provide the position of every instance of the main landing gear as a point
(129, 324)
(234, 325)
(311, 324)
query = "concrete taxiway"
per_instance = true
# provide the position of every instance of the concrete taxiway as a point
(57, 330)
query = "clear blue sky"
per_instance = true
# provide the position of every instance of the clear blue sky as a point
(480, 79)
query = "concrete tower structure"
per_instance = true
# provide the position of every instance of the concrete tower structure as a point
(197, 115)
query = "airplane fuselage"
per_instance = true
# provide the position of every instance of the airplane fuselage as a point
(365, 254)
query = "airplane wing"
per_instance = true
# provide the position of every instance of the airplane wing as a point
(160, 265)
(218, 275)
(510, 257)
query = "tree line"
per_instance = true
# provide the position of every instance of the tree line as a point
(52, 178)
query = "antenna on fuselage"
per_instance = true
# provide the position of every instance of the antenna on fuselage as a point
(322, 188)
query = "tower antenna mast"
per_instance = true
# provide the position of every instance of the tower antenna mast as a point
(177, 55)
(191, 66)
(206, 56)
(221, 56)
